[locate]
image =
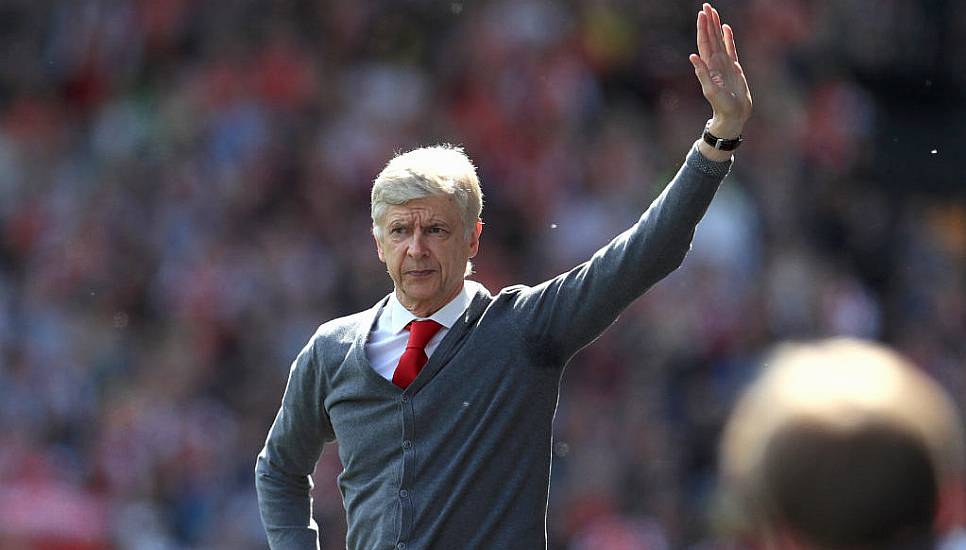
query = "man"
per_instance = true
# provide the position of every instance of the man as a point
(843, 445)
(442, 395)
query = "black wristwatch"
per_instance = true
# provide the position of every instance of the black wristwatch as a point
(719, 143)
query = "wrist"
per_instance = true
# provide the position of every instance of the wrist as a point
(718, 142)
(712, 154)
(725, 129)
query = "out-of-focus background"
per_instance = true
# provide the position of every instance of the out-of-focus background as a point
(184, 198)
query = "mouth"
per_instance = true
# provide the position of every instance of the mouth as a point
(418, 273)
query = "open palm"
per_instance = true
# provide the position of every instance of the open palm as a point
(719, 72)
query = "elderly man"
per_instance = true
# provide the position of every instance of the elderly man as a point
(843, 445)
(442, 396)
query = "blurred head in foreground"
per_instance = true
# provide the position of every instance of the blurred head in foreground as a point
(843, 445)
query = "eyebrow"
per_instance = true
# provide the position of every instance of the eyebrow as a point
(408, 220)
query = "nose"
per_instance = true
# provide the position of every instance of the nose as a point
(417, 248)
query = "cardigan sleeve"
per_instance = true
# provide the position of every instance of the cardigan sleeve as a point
(571, 310)
(284, 466)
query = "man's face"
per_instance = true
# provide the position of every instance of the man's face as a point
(424, 248)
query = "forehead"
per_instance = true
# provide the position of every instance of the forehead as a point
(435, 207)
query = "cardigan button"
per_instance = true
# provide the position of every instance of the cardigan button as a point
(407, 444)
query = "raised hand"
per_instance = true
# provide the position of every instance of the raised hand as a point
(721, 76)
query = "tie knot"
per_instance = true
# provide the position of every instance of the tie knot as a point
(421, 332)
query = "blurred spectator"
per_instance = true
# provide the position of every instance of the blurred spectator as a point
(843, 444)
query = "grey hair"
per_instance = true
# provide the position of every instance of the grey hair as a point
(443, 170)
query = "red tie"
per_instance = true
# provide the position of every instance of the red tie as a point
(413, 359)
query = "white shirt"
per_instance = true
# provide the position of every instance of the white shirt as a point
(389, 336)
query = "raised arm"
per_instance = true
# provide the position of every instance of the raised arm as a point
(284, 467)
(567, 312)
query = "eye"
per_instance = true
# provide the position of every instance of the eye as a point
(397, 230)
(436, 230)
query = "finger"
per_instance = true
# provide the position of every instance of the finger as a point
(704, 43)
(713, 45)
(730, 43)
(714, 28)
(716, 25)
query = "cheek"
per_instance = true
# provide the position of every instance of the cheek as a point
(455, 259)
(398, 256)
(389, 255)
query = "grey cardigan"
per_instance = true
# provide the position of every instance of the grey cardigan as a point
(461, 458)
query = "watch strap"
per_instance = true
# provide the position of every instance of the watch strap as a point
(720, 143)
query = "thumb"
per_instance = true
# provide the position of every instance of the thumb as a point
(701, 71)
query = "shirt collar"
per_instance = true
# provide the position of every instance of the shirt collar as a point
(447, 315)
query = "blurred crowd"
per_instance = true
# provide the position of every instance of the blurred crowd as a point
(184, 199)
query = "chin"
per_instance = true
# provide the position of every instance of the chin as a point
(420, 294)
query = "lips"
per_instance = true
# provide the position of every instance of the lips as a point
(420, 272)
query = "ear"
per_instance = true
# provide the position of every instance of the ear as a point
(475, 238)
(382, 256)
